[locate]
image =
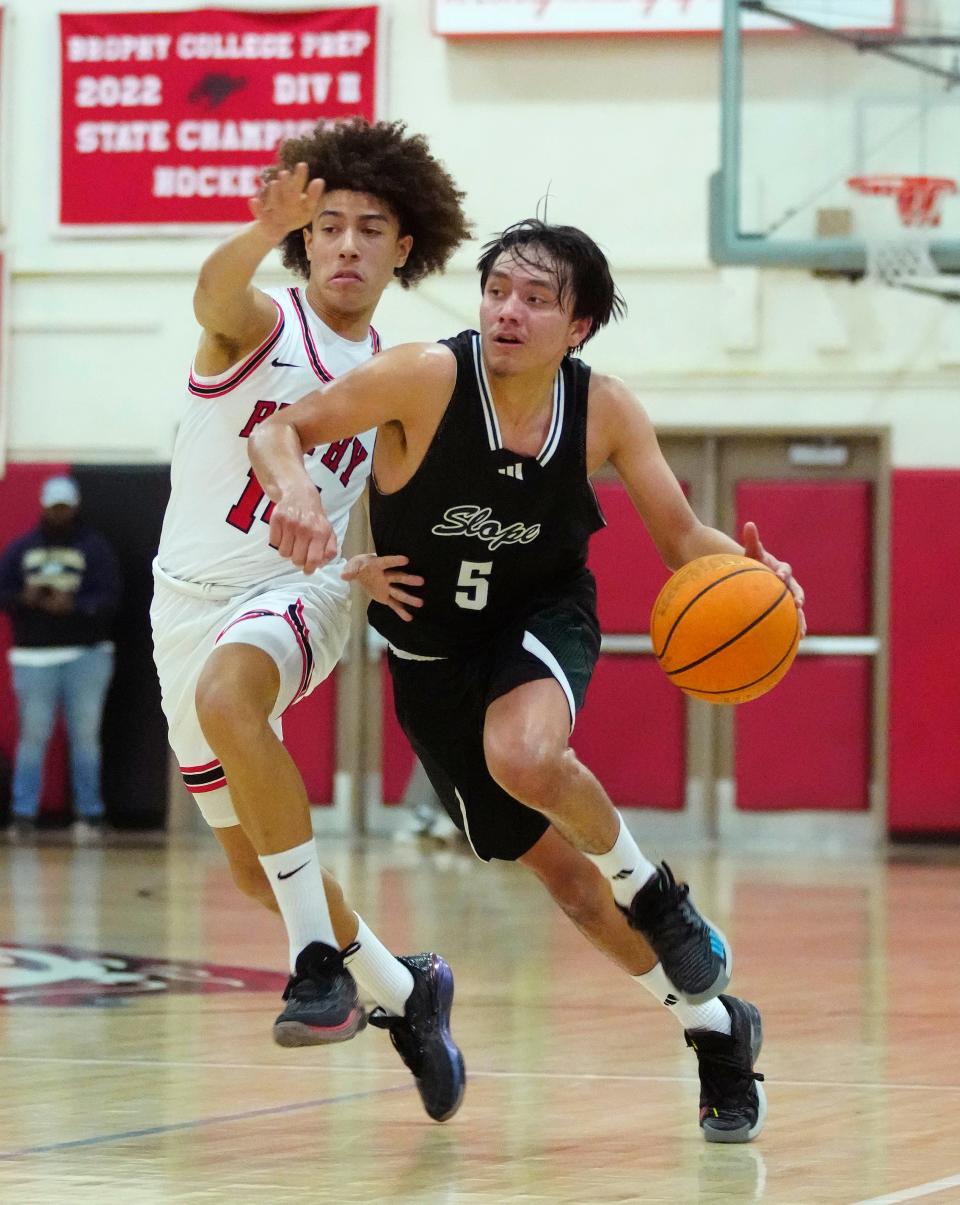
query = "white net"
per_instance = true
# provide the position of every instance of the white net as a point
(906, 263)
(892, 260)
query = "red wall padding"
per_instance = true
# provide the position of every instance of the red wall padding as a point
(19, 511)
(631, 733)
(823, 528)
(626, 563)
(396, 756)
(309, 728)
(310, 735)
(636, 756)
(925, 652)
(806, 744)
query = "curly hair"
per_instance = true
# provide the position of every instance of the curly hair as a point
(398, 169)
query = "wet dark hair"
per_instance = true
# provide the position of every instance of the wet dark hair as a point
(579, 268)
(395, 167)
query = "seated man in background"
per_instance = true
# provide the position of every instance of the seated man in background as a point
(60, 585)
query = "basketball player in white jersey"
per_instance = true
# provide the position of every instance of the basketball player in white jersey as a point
(240, 635)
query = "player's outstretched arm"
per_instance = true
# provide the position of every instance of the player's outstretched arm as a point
(621, 432)
(405, 388)
(236, 317)
(625, 433)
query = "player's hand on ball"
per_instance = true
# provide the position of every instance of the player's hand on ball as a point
(301, 531)
(756, 551)
(384, 580)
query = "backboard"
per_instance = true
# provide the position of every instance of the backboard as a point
(840, 130)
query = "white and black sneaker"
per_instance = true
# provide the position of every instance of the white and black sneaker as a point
(733, 1105)
(322, 1002)
(88, 830)
(694, 954)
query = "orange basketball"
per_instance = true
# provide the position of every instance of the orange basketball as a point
(725, 628)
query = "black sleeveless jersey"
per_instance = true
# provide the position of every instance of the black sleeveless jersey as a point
(495, 535)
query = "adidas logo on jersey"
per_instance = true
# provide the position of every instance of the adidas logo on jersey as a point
(513, 470)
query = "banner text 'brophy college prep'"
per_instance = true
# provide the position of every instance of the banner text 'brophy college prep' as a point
(169, 118)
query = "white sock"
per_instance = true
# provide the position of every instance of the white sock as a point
(625, 866)
(711, 1015)
(297, 883)
(379, 973)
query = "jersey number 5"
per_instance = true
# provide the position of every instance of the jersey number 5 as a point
(473, 577)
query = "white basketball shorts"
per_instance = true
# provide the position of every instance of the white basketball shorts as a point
(303, 625)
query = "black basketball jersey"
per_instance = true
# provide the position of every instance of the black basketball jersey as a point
(495, 535)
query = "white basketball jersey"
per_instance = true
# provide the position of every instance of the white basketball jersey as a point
(216, 527)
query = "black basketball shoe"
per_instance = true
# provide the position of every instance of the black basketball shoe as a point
(422, 1035)
(733, 1105)
(694, 954)
(321, 995)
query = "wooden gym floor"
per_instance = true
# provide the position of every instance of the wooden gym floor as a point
(121, 1082)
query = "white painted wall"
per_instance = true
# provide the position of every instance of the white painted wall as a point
(624, 135)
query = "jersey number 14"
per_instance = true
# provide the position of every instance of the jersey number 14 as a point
(243, 512)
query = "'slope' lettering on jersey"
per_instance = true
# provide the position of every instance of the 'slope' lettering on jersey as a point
(477, 521)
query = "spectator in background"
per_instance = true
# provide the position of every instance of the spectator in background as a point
(60, 585)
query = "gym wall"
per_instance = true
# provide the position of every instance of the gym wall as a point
(622, 135)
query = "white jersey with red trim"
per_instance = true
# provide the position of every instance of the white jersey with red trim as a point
(216, 527)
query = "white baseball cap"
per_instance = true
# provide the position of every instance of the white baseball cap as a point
(60, 491)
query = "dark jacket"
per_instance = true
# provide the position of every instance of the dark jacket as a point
(80, 563)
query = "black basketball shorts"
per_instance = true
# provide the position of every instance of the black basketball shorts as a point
(441, 706)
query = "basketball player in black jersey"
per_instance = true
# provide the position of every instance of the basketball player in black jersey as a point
(485, 446)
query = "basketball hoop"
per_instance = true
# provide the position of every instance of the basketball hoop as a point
(906, 262)
(918, 197)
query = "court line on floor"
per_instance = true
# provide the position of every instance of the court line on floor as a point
(913, 1194)
(351, 1069)
(196, 1124)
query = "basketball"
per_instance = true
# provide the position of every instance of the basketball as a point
(725, 628)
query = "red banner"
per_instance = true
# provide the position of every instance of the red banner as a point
(3, 364)
(169, 117)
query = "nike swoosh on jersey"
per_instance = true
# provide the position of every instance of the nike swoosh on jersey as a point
(283, 364)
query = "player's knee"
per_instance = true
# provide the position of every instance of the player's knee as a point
(228, 713)
(215, 709)
(528, 767)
